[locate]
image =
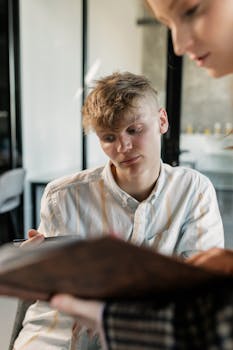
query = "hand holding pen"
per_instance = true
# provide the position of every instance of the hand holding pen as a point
(34, 238)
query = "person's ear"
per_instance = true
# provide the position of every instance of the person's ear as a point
(163, 121)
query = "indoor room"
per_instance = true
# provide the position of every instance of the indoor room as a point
(52, 52)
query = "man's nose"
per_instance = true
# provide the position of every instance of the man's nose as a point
(182, 40)
(124, 143)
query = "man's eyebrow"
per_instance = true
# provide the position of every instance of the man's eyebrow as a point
(136, 118)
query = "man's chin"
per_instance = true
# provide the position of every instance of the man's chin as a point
(218, 73)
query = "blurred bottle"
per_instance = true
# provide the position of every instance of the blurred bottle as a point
(217, 128)
(189, 128)
(228, 128)
(207, 131)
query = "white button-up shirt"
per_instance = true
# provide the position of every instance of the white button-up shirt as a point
(180, 215)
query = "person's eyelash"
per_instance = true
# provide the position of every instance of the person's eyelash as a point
(135, 130)
(190, 12)
(108, 139)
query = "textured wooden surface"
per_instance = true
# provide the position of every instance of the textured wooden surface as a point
(103, 268)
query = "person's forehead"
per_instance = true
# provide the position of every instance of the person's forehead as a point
(132, 117)
(126, 120)
(164, 5)
(140, 112)
(142, 108)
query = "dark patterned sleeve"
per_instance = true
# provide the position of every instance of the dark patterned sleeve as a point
(138, 326)
(197, 322)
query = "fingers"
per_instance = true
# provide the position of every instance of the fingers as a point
(34, 238)
(66, 303)
(202, 257)
(76, 306)
(215, 259)
(32, 233)
(87, 312)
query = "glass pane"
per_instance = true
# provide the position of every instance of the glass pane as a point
(207, 117)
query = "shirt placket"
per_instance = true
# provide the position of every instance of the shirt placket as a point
(139, 225)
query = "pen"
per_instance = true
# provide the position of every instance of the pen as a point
(18, 241)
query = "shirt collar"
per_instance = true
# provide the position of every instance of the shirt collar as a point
(159, 184)
(125, 197)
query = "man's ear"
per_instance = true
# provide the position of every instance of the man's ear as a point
(163, 121)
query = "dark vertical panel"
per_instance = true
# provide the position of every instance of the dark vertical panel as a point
(10, 118)
(16, 21)
(5, 146)
(11, 46)
(84, 71)
(171, 140)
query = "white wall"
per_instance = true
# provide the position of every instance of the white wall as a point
(114, 36)
(50, 32)
(114, 44)
(51, 74)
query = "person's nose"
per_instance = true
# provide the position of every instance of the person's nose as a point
(182, 39)
(124, 143)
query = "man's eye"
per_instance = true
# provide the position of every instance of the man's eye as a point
(109, 138)
(132, 131)
(190, 12)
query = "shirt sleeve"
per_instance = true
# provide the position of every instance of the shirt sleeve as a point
(50, 218)
(138, 326)
(45, 328)
(203, 227)
(48, 329)
(207, 321)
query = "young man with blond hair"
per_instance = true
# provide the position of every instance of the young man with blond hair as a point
(136, 195)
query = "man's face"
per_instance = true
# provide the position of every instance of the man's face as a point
(134, 148)
(202, 29)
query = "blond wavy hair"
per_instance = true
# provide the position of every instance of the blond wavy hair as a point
(113, 96)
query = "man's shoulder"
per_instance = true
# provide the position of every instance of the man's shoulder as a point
(184, 172)
(81, 178)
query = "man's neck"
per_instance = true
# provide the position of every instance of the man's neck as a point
(138, 187)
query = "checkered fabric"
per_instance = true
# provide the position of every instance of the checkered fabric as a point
(198, 322)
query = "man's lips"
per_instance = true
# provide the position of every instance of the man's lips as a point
(130, 160)
(200, 59)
